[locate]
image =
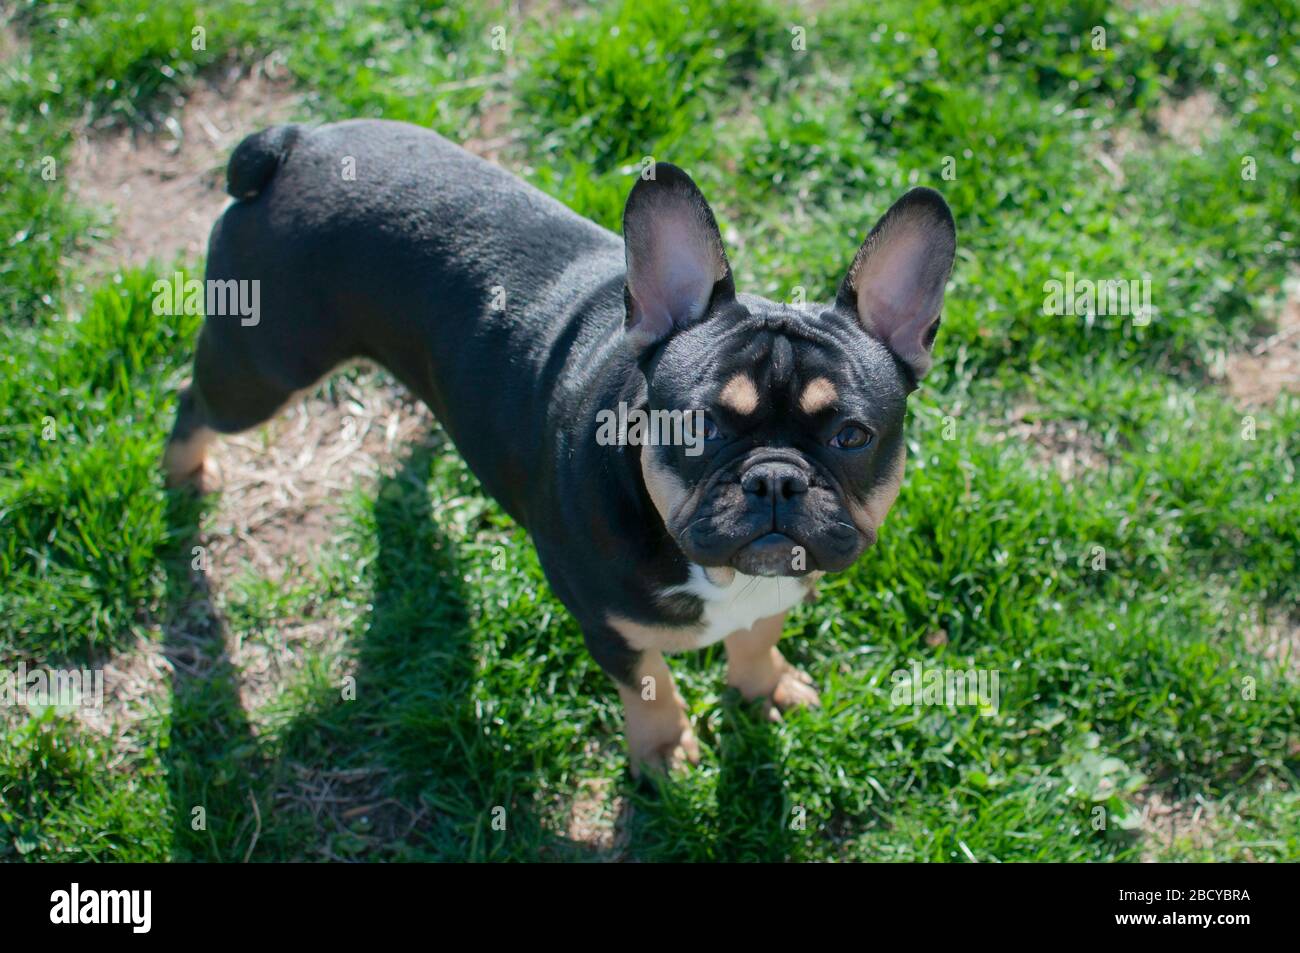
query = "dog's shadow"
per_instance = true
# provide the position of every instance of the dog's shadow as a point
(748, 817)
(394, 755)
(215, 771)
(388, 758)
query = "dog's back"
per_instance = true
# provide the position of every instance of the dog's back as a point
(365, 233)
(399, 223)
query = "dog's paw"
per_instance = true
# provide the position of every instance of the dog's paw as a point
(794, 689)
(186, 463)
(660, 756)
(200, 479)
(779, 684)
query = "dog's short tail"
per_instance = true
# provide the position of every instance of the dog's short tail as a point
(255, 160)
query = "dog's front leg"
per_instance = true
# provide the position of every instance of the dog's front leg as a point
(659, 734)
(758, 669)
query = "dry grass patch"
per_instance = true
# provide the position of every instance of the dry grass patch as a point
(164, 187)
(1067, 446)
(1259, 375)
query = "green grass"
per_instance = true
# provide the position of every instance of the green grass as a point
(473, 692)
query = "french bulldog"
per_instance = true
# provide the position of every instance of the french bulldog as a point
(524, 326)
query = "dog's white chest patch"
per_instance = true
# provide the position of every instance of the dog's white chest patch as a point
(740, 604)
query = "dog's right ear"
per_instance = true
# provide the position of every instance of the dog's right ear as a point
(675, 261)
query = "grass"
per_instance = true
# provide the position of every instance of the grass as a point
(457, 687)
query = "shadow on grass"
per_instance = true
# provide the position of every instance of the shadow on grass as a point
(755, 821)
(391, 757)
(215, 771)
(750, 819)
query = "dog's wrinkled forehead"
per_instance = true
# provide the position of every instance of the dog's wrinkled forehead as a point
(775, 360)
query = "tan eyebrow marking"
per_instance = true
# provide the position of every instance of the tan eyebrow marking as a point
(818, 395)
(740, 394)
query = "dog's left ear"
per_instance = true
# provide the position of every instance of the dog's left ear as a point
(675, 261)
(896, 282)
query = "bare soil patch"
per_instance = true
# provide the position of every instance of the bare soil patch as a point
(1189, 121)
(1066, 446)
(163, 188)
(1258, 375)
(1276, 638)
(599, 821)
(1167, 823)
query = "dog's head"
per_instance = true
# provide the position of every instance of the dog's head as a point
(800, 455)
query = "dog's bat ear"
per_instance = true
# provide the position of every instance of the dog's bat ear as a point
(896, 282)
(675, 261)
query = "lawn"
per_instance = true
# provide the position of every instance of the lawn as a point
(1100, 508)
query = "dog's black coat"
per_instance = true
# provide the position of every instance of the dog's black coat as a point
(505, 312)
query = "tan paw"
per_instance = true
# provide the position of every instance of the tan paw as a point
(662, 756)
(185, 462)
(770, 677)
(794, 689)
(200, 479)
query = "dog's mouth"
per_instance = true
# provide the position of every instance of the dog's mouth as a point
(775, 516)
(830, 547)
(773, 554)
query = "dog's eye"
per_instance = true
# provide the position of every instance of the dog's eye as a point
(708, 429)
(852, 437)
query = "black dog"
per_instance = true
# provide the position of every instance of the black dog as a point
(766, 440)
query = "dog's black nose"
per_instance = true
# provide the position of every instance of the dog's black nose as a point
(780, 481)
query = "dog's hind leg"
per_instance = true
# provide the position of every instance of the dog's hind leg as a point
(187, 447)
(245, 371)
(229, 394)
